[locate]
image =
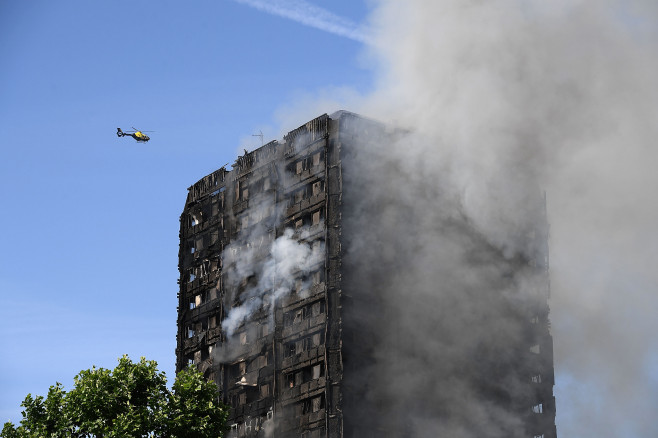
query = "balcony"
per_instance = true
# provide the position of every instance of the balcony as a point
(304, 356)
(305, 325)
(303, 390)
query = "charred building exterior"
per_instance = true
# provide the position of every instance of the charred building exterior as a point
(273, 311)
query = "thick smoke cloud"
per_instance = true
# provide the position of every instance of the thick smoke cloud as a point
(504, 100)
(505, 97)
(442, 303)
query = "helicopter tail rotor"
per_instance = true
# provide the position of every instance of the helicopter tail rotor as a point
(120, 132)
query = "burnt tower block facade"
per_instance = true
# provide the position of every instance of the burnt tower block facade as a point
(280, 305)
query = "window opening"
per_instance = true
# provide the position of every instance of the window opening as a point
(316, 372)
(317, 188)
(316, 218)
(317, 404)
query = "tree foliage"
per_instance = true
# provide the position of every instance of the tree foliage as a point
(130, 401)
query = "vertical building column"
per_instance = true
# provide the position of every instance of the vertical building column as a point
(333, 189)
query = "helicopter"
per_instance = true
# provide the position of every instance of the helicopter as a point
(136, 134)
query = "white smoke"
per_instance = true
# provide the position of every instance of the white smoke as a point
(515, 94)
(274, 275)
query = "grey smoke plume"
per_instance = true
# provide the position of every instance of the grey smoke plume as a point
(505, 97)
(439, 304)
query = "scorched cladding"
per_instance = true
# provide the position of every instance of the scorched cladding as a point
(290, 327)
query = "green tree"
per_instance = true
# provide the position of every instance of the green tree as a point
(130, 401)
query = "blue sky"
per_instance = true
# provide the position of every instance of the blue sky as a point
(88, 268)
